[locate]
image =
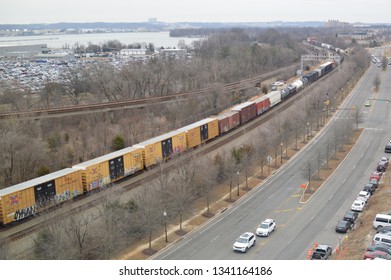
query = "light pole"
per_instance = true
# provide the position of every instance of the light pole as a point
(238, 173)
(282, 144)
(165, 224)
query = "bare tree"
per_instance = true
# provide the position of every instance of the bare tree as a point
(182, 189)
(206, 180)
(262, 149)
(377, 82)
(52, 243)
(308, 170)
(149, 210)
(78, 232)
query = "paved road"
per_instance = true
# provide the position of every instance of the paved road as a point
(299, 225)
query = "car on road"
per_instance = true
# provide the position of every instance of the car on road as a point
(376, 254)
(363, 195)
(244, 242)
(344, 226)
(374, 182)
(321, 252)
(380, 247)
(381, 167)
(384, 160)
(266, 227)
(375, 176)
(350, 216)
(367, 104)
(369, 188)
(358, 205)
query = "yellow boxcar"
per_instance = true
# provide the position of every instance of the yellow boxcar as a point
(162, 147)
(25, 199)
(201, 131)
(101, 171)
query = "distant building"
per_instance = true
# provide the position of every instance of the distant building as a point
(337, 24)
(133, 52)
(173, 53)
(356, 35)
(26, 51)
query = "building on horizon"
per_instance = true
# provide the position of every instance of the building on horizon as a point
(25, 51)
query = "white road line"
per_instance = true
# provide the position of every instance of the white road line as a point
(214, 238)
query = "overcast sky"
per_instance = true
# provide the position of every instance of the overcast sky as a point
(52, 11)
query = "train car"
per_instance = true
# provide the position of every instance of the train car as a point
(247, 111)
(285, 92)
(101, 171)
(326, 67)
(310, 77)
(162, 147)
(228, 121)
(292, 89)
(274, 97)
(298, 84)
(200, 132)
(26, 199)
(262, 103)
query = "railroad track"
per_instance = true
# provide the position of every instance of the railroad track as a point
(17, 231)
(107, 106)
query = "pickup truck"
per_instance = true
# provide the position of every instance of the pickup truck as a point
(321, 252)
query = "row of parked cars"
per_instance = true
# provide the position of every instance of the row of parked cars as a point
(378, 249)
(381, 243)
(248, 239)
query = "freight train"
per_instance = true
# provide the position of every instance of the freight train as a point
(317, 43)
(29, 198)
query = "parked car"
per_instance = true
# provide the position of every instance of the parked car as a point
(358, 205)
(344, 226)
(244, 242)
(381, 167)
(383, 229)
(363, 195)
(384, 160)
(266, 227)
(321, 252)
(376, 254)
(374, 182)
(380, 247)
(376, 175)
(369, 188)
(350, 216)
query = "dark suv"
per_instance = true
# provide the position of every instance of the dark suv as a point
(369, 188)
(350, 216)
(381, 167)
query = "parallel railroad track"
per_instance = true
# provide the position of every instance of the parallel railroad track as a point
(84, 108)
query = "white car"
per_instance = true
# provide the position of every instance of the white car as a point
(266, 227)
(358, 205)
(363, 195)
(244, 242)
(383, 160)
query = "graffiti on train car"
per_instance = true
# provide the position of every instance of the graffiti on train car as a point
(25, 212)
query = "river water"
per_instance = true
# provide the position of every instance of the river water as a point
(159, 39)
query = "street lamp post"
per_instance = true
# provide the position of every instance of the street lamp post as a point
(165, 224)
(238, 173)
(282, 144)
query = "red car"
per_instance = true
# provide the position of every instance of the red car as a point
(375, 175)
(376, 254)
